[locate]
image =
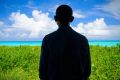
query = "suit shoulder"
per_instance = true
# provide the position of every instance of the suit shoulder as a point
(82, 37)
(50, 35)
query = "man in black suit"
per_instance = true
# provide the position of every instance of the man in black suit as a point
(65, 53)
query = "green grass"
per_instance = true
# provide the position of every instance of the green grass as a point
(105, 63)
(21, 62)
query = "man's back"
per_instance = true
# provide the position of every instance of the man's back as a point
(65, 56)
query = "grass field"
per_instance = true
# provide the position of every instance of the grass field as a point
(21, 62)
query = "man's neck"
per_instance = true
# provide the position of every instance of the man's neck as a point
(64, 27)
(61, 25)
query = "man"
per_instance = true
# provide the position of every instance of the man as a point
(65, 53)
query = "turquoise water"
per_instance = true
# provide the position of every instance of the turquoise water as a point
(38, 43)
(17, 43)
(105, 43)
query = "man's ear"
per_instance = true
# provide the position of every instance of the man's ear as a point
(71, 19)
(55, 18)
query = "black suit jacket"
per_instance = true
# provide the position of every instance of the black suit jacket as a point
(65, 55)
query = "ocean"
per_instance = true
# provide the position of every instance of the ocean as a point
(39, 43)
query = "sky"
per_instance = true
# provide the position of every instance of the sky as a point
(31, 20)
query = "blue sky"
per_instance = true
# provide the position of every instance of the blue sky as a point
(24, 20)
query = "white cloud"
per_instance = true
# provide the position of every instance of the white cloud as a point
(39, 24)
(112, 7)
(31, 5)
(98, 29)
(53, 9)
(77, 14)
(1, 23)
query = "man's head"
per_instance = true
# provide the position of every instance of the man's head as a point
(64, 15)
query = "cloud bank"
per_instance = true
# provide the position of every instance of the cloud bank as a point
(98, 29)
(35, 27)
(40, 24)
(77, 14)
(113, 7)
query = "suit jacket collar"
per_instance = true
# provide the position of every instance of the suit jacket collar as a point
(64, 28)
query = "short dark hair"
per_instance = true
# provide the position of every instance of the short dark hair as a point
(64, 14)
